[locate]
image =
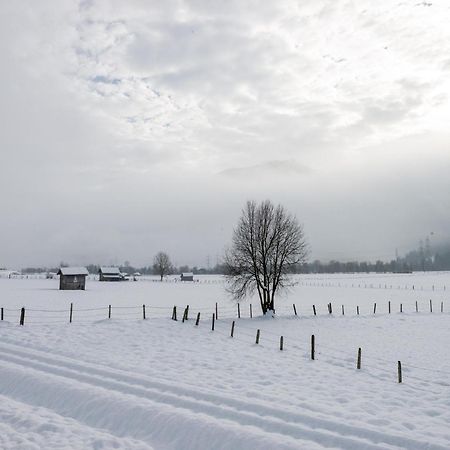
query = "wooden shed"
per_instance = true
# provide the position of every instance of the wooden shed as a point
(72, 278)
(187, 276)
(110, 274)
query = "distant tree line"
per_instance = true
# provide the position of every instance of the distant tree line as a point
(420, 259)
(218, 269)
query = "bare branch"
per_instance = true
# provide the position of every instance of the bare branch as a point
(266, 243)
(162, 264)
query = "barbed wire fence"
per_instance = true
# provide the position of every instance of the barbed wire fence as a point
(305, 281)
(318, 351)
(228, 316)
(73, 313)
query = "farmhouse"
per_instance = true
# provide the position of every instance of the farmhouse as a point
(72, 278)
(110, 274)
(187, 276)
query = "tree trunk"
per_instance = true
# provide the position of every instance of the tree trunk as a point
(272, 302)
(263, 303)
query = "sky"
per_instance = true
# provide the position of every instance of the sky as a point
(138, 126)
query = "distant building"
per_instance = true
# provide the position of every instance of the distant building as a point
(5, 273)
(187, 276)
(136, 275)
(72, 278)
(110, 274)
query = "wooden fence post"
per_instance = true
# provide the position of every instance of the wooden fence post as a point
(232, 329)
(109, 311)
(213, 320)
(314, 309)
(239, 311)
(357, 310)
(258, 332)
(217, 313)
(174, 313)
(198, 320)
(431, 306)
(374, 308)
(399, 370)
(313, 347)
(2, 313)
(389, 306)
(442, 307)
(70, 316)
(343, 313)
(185, 313)
(401, 307)
(143, 312)
(417, 307)
(22, 317)
(251, 312)
(295, 309)
(281, 343)
(358, 363)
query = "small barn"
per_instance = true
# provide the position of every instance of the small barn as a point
(72, 278)
(187, 276)
(110, 274)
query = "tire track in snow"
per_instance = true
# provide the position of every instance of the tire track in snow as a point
(26, 427)
(267, 419)
(163, 426)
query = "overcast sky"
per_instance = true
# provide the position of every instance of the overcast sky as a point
(129, 127)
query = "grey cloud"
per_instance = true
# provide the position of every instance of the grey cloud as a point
(274, 167)
(389, 111)
(154, 121)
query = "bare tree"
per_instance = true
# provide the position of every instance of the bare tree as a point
(161, 264)
(266, 243)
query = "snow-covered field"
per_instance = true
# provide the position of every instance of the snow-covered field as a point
(127, 383)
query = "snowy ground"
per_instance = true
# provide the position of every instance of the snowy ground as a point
(127, 383)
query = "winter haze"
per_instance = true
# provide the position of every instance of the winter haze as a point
(138, 126)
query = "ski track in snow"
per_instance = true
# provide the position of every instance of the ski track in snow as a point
(122, 403)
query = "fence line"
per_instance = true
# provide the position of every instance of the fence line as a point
(396, 366)
(143, 312)
(316, 281)
(384, 286)
(73, 313)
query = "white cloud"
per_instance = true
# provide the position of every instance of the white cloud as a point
(117, 114)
